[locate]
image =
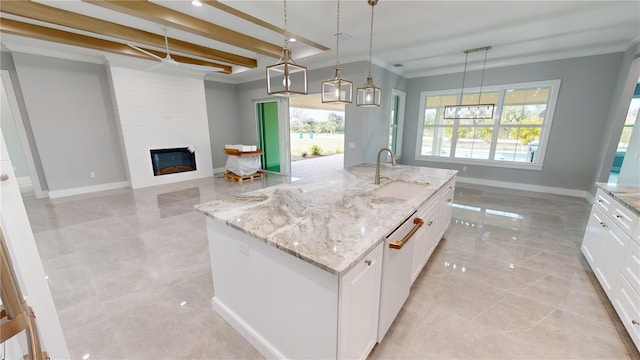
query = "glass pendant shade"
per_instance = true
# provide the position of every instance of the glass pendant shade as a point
(369, 95)
(337, 89)
(286, 78)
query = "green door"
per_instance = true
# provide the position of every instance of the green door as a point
(269, 135)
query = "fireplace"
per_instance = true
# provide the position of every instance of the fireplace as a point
(170, 161)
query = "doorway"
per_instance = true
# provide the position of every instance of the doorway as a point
(273, 135)
(15, 136)
(316, 136)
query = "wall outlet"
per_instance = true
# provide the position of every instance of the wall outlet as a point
(92, 174)
(244, 248)
(464, 168)
(352, 145)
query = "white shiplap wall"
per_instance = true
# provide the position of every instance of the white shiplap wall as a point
(158, 111)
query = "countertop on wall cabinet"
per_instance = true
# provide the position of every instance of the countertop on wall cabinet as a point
(331, 221)
(629, 196)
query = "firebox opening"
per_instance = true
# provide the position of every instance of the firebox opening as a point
(170, 161)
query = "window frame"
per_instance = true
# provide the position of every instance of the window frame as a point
(501, 89)
(402, 99)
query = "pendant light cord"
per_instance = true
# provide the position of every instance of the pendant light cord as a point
(484, 64)
(373, 3)
(464, 73)
(286, 33)
(338, 38)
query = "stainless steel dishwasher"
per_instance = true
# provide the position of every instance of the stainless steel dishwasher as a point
(396, 271)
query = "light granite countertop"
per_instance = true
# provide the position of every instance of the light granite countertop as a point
(332, 221)
(627, 195)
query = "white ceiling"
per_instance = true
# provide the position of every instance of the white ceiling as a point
(427, 37)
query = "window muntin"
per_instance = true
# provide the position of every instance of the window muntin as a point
(515, 137)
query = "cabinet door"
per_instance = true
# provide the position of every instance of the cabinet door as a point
(593, 236)
(611, 256)
(420, 249)
(434, 233)
(444, 217)
(359, 305)
(627, 303)
(27, 264)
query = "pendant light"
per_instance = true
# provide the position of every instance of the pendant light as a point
(369, 95)
(478, 111)
(286, 78)
(337, 89)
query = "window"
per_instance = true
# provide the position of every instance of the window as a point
(396, 120)
(629, 123)
(516, 136)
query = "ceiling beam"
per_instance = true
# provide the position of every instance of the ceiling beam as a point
(14, 27)
(52, 15)
(242, 15)
(162, 15)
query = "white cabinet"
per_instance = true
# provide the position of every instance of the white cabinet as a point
(446, 199)
(593, 235)
(612, 252)
(427, 237)
(610, 249)
(26, 260)
(358, 309)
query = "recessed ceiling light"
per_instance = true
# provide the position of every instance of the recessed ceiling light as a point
(196, 3)
(292, 39)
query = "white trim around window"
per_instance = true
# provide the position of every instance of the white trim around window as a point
(396, 115)
(490, 155)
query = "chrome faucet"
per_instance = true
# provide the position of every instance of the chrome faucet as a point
(393, 162)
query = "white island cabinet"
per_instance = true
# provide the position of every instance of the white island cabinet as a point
(298, 269)
(611, 245)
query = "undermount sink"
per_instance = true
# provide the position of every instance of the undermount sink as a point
(400, 190)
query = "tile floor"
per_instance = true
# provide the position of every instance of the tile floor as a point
(129, 273)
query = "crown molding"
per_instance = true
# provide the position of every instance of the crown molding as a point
(521, 60)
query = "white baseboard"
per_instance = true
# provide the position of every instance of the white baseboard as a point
(54, 194)
(527, 187)
(247, 332)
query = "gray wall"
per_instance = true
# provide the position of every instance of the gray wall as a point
(71, 114)
(224, 119)
(366, 128)
(6, 63)
(576, 137)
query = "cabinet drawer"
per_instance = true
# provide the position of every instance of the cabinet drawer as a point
(631, 267)
(627, 303)
(624, 217)
(603, 201)
(448, 191)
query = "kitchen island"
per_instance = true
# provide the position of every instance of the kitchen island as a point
(300, 269)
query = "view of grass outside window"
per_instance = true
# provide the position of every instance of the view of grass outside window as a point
(513, 136)
(315, 132)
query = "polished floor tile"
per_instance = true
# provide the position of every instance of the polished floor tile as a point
(130, 276)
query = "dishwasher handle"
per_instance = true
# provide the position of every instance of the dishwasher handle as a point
(398, 244)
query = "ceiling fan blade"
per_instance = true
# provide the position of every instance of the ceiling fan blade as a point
(199, 67)
(146, 52)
